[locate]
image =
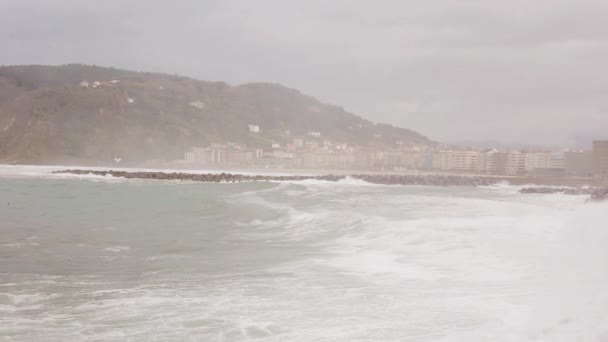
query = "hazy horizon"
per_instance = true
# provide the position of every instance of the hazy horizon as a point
(478, 71)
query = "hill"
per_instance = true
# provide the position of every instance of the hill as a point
(49, 115)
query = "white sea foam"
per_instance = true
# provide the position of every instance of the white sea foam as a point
(313, 261)
(346, 181)
(117, 249)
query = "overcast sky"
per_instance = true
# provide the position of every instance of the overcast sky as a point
(518, 70)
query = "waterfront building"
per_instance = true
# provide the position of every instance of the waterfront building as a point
(600, 158)
(578, 163)
(537, 160)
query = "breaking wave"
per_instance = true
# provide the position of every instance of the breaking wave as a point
(306, 261)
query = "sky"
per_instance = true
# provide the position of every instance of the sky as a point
(532, 72)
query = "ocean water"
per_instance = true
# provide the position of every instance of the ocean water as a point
(106, 259)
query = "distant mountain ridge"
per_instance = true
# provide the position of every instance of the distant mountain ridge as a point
(54, 114)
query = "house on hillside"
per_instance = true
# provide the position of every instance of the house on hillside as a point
(198, 104)
(254, 128)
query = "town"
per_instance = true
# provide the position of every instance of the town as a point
(313, 152)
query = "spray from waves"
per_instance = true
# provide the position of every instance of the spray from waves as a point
(574, 301)
(287, 221)
(534, 273)
(346, 181)
(567, 298)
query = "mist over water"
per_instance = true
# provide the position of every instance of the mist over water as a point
(97, 259)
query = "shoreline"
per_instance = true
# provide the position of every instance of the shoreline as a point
(374, 178)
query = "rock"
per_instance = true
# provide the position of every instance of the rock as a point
(437, 180)
(598, 195)
(548, 190)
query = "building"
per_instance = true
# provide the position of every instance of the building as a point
(198, 104)
(557, 161)
(426, 162)
(493, 162)
(537, 160)
(254, 128)
(600, 158)
(259, 153)
(516, 163)
(237, 157)
(465, 160)
(203, 156)
(410, 159)
(311, 145)
(455, 160)
(578, 163)
(282, 155)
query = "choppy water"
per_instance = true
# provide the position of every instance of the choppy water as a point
(114, 260)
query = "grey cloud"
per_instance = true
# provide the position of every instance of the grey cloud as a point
(516, 70)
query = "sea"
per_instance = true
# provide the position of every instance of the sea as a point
(92, 258)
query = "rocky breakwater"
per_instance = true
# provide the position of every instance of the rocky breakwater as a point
(595, 194)
(197, 177)
(549, 190)
(437, 180)
(599, 195)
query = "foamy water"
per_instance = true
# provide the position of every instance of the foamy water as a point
(296, 261)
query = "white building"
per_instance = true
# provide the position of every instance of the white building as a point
(492, 162)
(130, 100)
(198, 104)
(537, 160)
(282, 155)
(254, 128)
(557, 161)
(516, 162)
(314, 134)
(455, 160)
(204, 155)
(84, 84)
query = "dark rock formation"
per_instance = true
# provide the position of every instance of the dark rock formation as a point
(548, 190)
(599, 195)
(439, 180)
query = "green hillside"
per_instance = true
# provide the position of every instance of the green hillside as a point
(47, 116)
